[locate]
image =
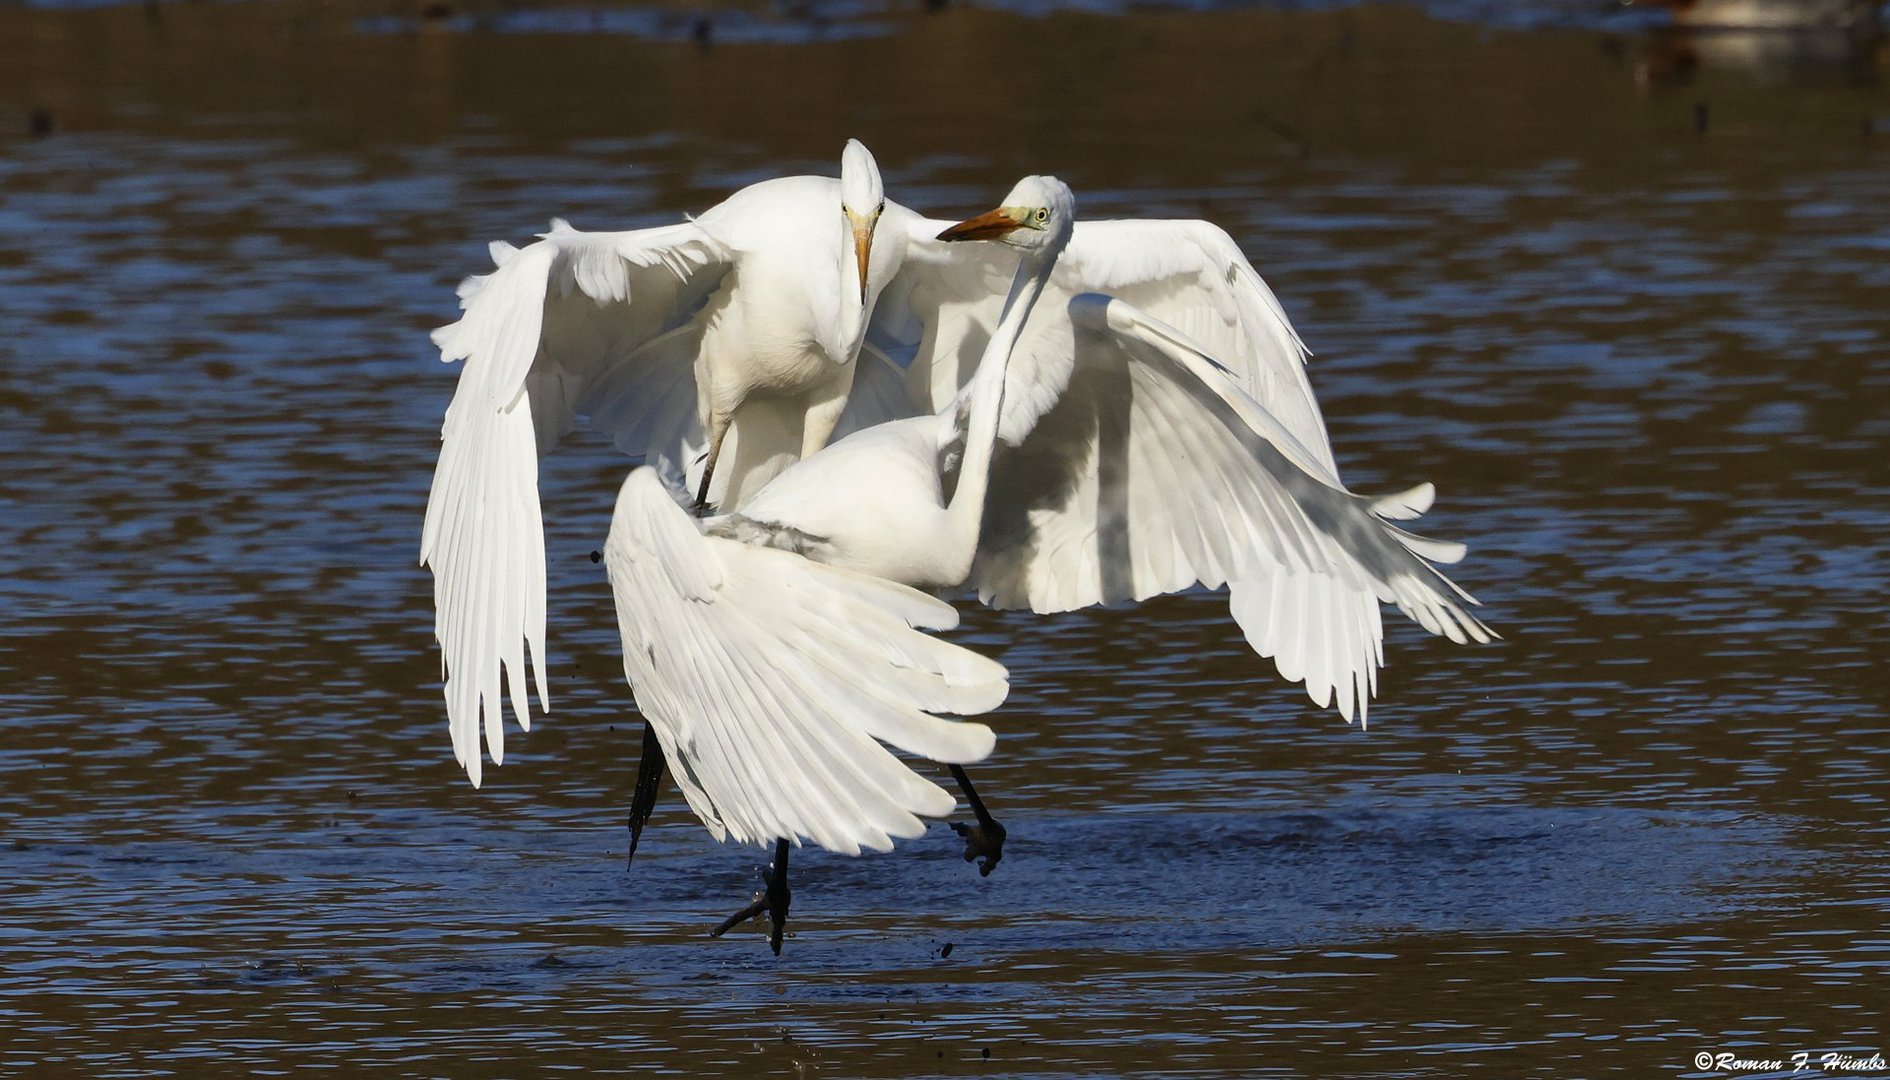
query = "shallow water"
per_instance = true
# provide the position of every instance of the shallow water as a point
(1628, 311)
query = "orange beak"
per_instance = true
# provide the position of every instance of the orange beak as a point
(992, 225)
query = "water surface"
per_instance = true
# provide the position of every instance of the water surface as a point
(1625, 308)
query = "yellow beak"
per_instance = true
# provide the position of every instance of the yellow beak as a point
(862, 248)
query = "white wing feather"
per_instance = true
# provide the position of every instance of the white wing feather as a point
(772, 680)
(1155, 471)
(553, 320)
(1190, 274)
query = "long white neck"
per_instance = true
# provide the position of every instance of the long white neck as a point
(966, 512)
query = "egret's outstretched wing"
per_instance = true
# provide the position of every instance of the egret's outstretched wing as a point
(1155, 471)
(772, 680)
(941, 308)
(555, 320)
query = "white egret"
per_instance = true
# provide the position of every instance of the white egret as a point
(742, 324)
(769, 680)
(1139, 467)
(1128, 463)
(743, 329)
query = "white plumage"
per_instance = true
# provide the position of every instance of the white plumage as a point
(772, 679)
(938, 311)
(795, 310)
(758, 641)
(1207, 487)
(742, 323)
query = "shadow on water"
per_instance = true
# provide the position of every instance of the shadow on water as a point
(1629, 317)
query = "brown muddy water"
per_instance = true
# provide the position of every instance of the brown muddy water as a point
(1624, 295)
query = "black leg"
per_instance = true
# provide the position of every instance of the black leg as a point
(649, 781)
(709, 457)
(774, 901)
(986, 838)
(702, 491)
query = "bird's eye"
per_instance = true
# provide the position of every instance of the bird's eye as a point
(1043, 214)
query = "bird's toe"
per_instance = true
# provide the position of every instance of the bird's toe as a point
(982, 841)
